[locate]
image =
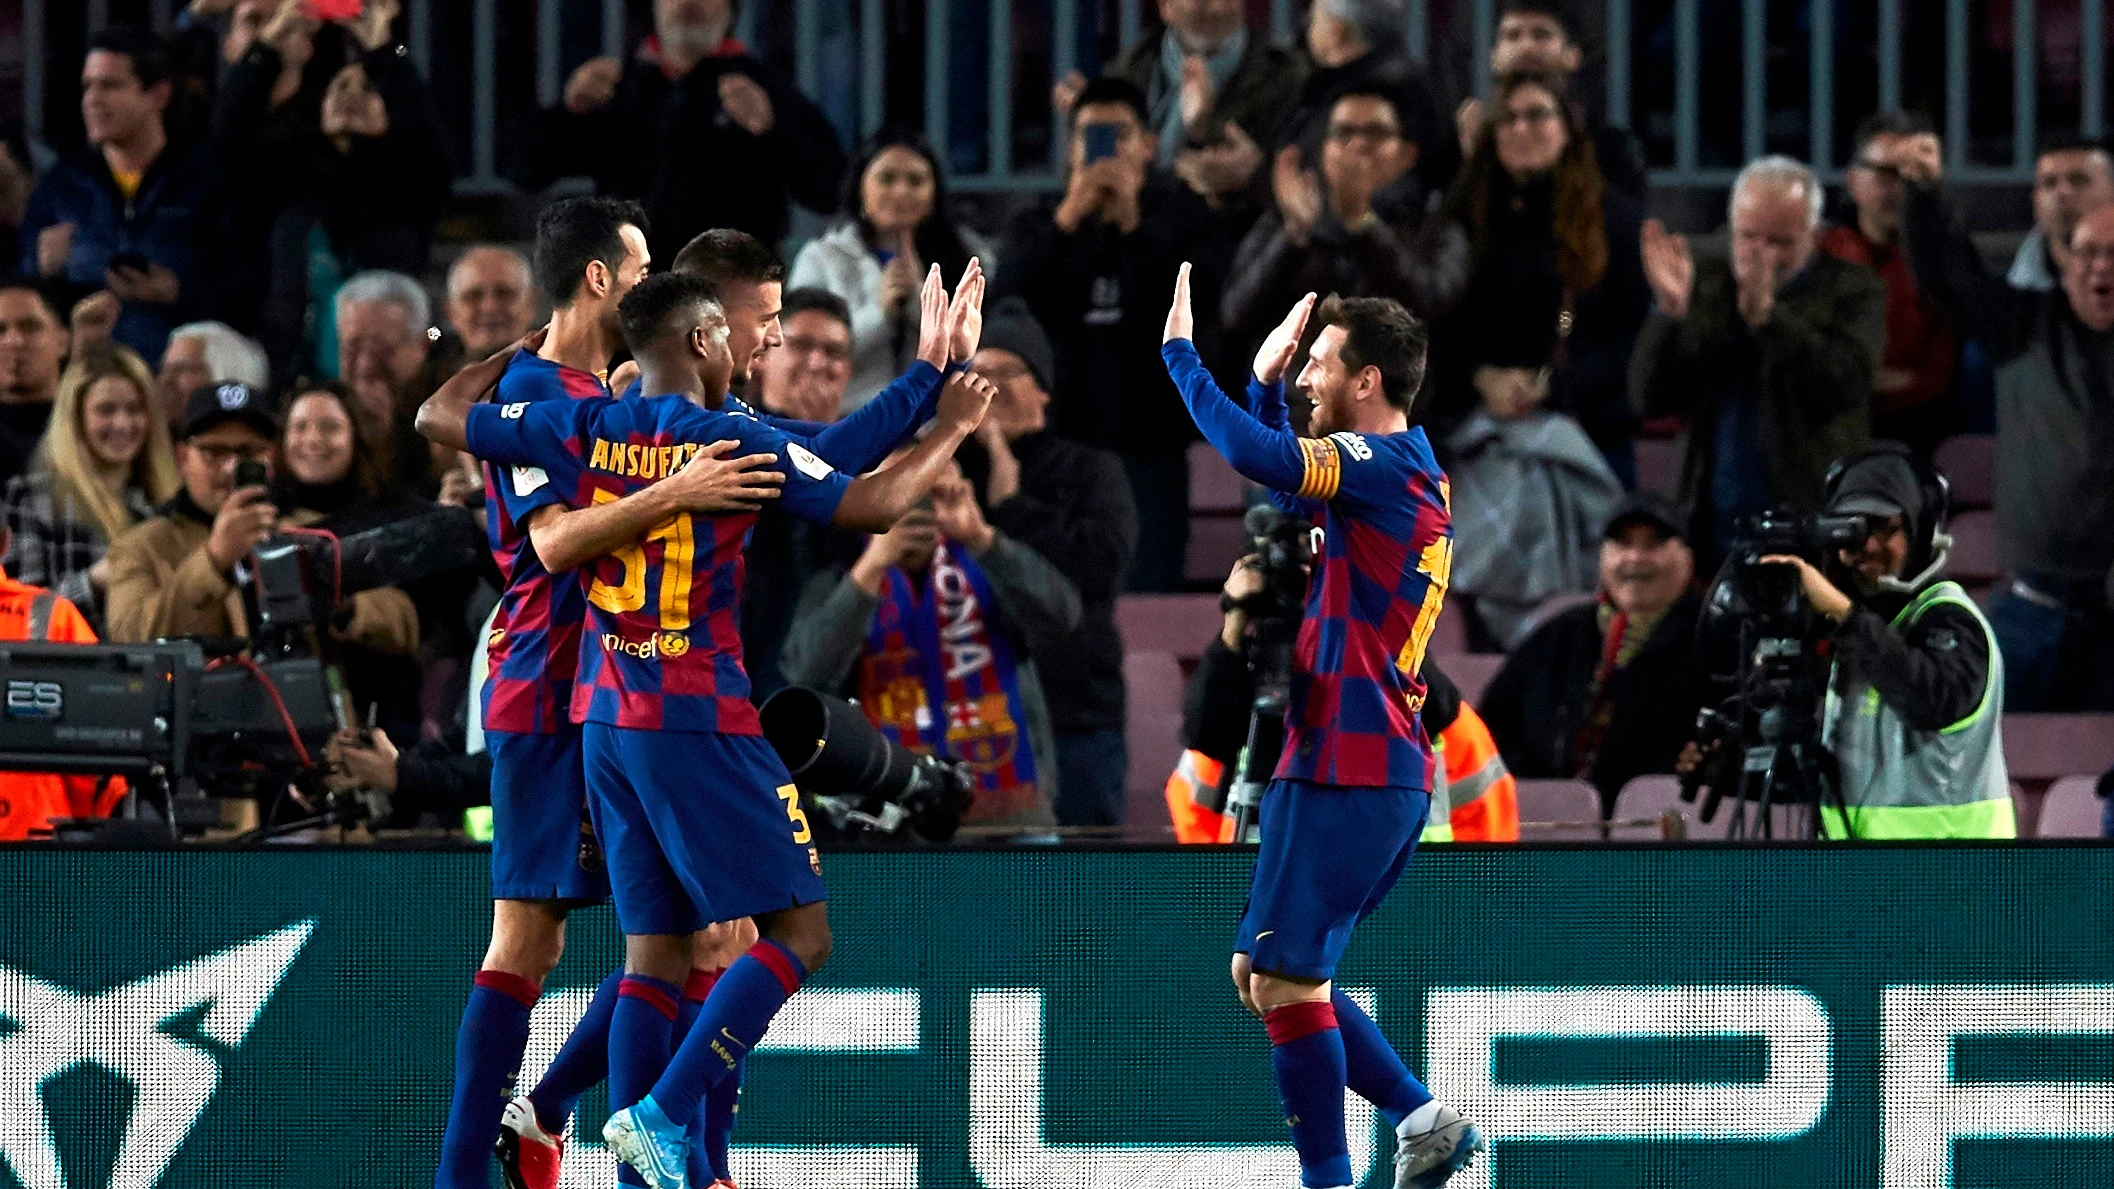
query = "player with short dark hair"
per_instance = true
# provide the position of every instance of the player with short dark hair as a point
(589, 253)
(662, 689)
(1352, 788)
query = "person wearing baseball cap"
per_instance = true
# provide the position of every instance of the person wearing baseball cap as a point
(173, 575)
(1608, 690)
(1914, 698)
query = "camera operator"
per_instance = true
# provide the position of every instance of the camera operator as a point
(432, 777)
(1481, 798)
(1912, 710)
(30, 800)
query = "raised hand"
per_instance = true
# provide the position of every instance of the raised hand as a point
(1181, 321)
(963, 403)
(1281, 344)
(958, 518)
(1669, 268)
(933, 325)
(1196, 92)
(965, 317)
(713, 482)
(1298, 193)
(1919, 158)
(593, 84)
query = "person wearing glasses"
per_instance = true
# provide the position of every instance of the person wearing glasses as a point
(1361, 226)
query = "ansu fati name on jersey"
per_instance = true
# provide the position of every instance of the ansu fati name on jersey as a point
(638, 460)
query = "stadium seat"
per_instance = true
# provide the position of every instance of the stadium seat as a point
(1969, 463)
(1554, 606)
(1974, 553)
(1215, 543)
(1559, 811)
(2071, 809)
(1214, 486)
(1153, 737)
(1642, 802)
(1180, 624)
(2045, 747)
(1659, 465)
(1449, 636)
(1471, 672)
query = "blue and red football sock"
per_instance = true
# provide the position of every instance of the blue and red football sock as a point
(641, 1035)
(488, 1048)
(734, 1018)
(1375, 1072)
(708, 1151)
(1307, 1053)
(582, 1060)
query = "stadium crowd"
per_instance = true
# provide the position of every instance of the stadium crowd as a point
(234, 269)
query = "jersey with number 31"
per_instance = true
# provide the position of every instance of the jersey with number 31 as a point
(663, 647)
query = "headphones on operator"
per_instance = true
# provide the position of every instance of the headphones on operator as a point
(1931, 544)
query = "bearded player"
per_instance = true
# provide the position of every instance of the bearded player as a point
(1352, 788)
(589, 253)
(697, 815)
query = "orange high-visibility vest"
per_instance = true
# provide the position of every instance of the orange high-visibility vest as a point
(29, 800)
(1483, 795)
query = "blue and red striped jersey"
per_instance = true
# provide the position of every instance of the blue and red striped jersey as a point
(534, 646)
(663, 648)
(1357, 691)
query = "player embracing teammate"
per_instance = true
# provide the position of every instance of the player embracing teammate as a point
(1352, 789)
(697, 817)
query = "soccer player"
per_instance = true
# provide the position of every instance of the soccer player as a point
(698, 817)
(1352, 788)
(589, 253)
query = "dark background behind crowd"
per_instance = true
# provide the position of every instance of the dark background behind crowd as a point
(245, 243)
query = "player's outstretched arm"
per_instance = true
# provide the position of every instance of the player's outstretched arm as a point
(442, 418)
(948, 334)
(875, 502)
(1271, 457)
(711, 482)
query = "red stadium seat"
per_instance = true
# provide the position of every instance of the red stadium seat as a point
(1659, 465)
(1969, 464)
(1153, 737)
(1214, 486)
(1449, 636)
(1643, 802)
(1178, 624)
(1559, 810)
(2071, 809)
(1974, 553)
(2044, 747)
(1472, 671)
(1215, 543)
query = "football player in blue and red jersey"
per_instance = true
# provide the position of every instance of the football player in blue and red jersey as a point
(1352, 787)
(696, 814)
(589, 253)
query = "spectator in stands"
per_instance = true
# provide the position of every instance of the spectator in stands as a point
(1071, 504)
(385, 347)
(173, 575)
(874, 631)
(691, 110)
(1360, 228)
(1214, 93)
(2055, 439)
(104, 466)
(32, 348)
(1912, 397)
(896, 227)
(491, 299)
(1608, 690)
(332, 480)
(132, 212)
(1362, 45)
(1771, 358)
(1093, 267)
(1535, 37)
(1557, 292)
(365, 170)
(17, 179)
(2072, 176)
(29, 801)
(202, 353)
(804, 378)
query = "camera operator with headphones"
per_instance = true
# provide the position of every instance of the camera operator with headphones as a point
(1913, 699)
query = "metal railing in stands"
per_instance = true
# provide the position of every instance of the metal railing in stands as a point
(1686, 167)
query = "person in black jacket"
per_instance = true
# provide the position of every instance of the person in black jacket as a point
(1609, 690)
(1094, 268)
(695, 128)
(1071, 504)
(1360, 45)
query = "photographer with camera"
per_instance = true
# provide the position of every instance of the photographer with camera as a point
(1912, 706)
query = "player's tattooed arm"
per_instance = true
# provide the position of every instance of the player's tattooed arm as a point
(711, 482)
(445, 415)
(874, 502)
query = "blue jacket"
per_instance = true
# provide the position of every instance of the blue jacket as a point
(174, 220)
